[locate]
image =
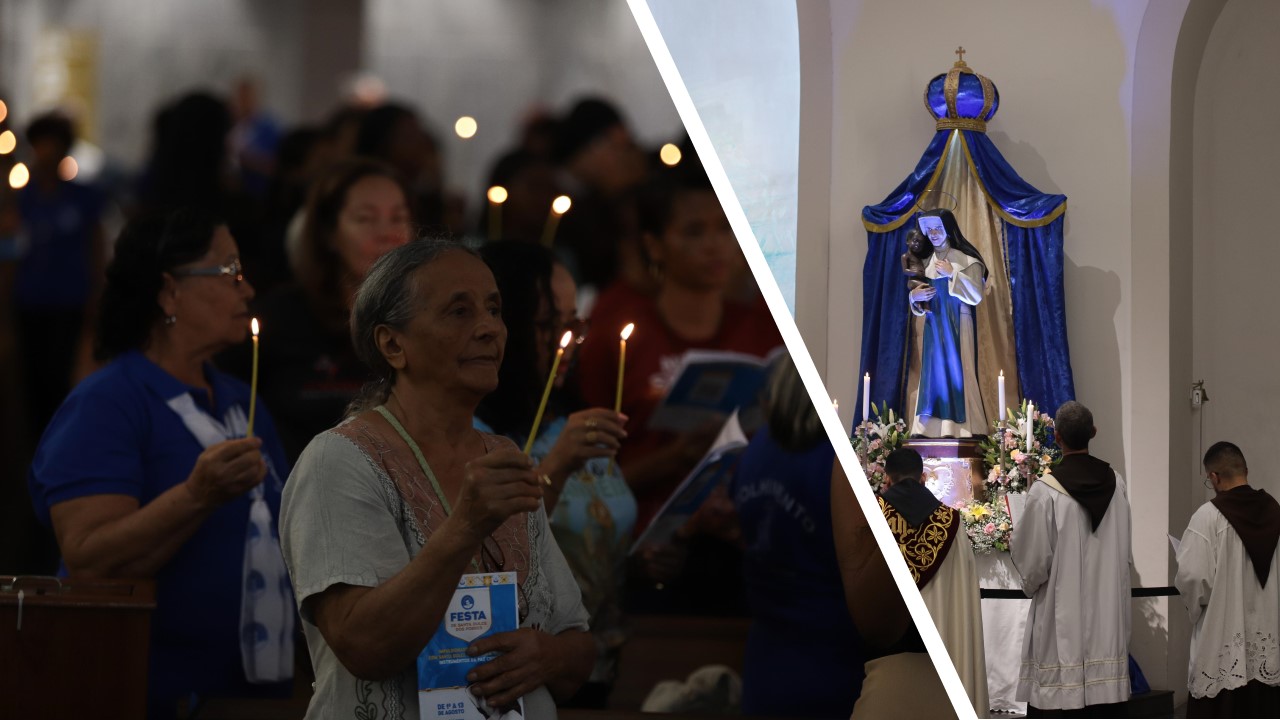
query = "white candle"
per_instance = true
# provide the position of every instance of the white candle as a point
(1031, 408)
(1002, 414)
(867, 396)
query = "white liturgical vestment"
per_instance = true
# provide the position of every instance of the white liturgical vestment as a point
(1076, 648)
(1235, 636)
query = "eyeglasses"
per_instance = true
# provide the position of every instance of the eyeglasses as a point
(1208, 480)
(232, 270)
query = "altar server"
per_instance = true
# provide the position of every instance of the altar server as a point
(1227, 579)
(1071, 545)
(940, 557)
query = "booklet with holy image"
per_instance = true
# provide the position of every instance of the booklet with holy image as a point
(484, 604)
(710, 385)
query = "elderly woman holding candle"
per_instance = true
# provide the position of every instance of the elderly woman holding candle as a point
(145, 470)
(592, 510)
(386, 512)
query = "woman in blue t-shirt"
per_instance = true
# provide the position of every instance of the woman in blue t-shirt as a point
(592, 511)
(804, 658)
(146, 471)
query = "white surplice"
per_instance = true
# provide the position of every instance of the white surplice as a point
(1076, 649)
(954, 601)
(1235, 636)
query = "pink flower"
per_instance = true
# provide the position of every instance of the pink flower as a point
(875, 444)
(1010, 441)
(990, 529)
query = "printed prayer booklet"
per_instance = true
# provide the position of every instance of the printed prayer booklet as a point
(715, 468)
(484, 604)
(710, 385)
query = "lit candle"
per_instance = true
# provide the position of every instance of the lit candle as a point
(622, 363)
(559, 207)
(253, 379)
(497, 195)
(1031, 408)
(546, 393)
(866, 396)
(1002, 396)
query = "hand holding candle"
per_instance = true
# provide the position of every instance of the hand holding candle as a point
(546, 392)
(622, 362)
(559, 207)
(253, 379)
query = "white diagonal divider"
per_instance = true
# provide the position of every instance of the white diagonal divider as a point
(800, 354)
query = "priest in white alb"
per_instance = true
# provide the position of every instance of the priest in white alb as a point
(1227, 576)
(1071, 546)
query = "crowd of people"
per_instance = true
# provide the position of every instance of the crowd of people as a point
(400, 364)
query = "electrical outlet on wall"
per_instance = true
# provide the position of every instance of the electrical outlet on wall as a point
(1198, 395)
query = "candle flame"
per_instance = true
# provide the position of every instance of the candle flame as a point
(68, 169)
(561, 205)
(253, 325)
(497, 194)
(566, 339)
(8, 141)
(626, 331)
(4, 111)
(670, 155)
(19, 176)
(1001, 373)
(835, 404)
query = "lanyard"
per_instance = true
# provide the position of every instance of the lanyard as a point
(422, 462)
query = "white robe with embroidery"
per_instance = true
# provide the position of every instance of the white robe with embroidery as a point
(954, 601)
(1076, 649)
(1235, 636)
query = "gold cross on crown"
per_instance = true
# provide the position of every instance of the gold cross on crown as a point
(960, 51)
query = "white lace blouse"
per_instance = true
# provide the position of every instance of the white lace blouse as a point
(1235, 620)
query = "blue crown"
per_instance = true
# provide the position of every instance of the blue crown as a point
(961, 98)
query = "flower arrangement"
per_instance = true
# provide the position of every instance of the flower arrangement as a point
(874, 439)
(987, 525)
(1011, 465)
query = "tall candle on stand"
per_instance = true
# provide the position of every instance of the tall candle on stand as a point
(867, 396)
(1002, 396)
(253, 379)
(546, 392)
(1031, 408)
(559, 207)
(497, 195)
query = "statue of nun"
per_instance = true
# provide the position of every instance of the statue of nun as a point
(948, 403)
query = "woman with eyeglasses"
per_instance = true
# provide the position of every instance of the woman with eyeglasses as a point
(146, 471)
(591, 508)
(384, 513)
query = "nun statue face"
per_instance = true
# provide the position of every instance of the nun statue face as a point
(934, 229)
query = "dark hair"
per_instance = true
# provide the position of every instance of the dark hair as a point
(793, 422)
(147, 248)
(1225, 458)
(1074, 424)
(658, 195)
(377, 125)
(320, 269)
(388, 297)
(53, 126)
(904, 464)
(590, 118)
(523, 273)
(189, 154)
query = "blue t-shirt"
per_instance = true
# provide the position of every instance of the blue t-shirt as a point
(116, 435)
(60, 229)
(804, 657)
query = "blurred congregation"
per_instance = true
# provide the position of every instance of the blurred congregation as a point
(304, 540)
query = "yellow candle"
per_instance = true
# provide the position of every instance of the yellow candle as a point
(253, 379)
(497, 195)
(559, 207)
(546, 392)
(622, 363)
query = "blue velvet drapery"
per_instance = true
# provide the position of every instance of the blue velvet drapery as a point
(1033, 224)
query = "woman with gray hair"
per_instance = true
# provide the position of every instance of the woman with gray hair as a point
(384, 513)
(801, 634)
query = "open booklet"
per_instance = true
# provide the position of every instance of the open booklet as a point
(483, 604)
(715, 468)
(710, 385)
